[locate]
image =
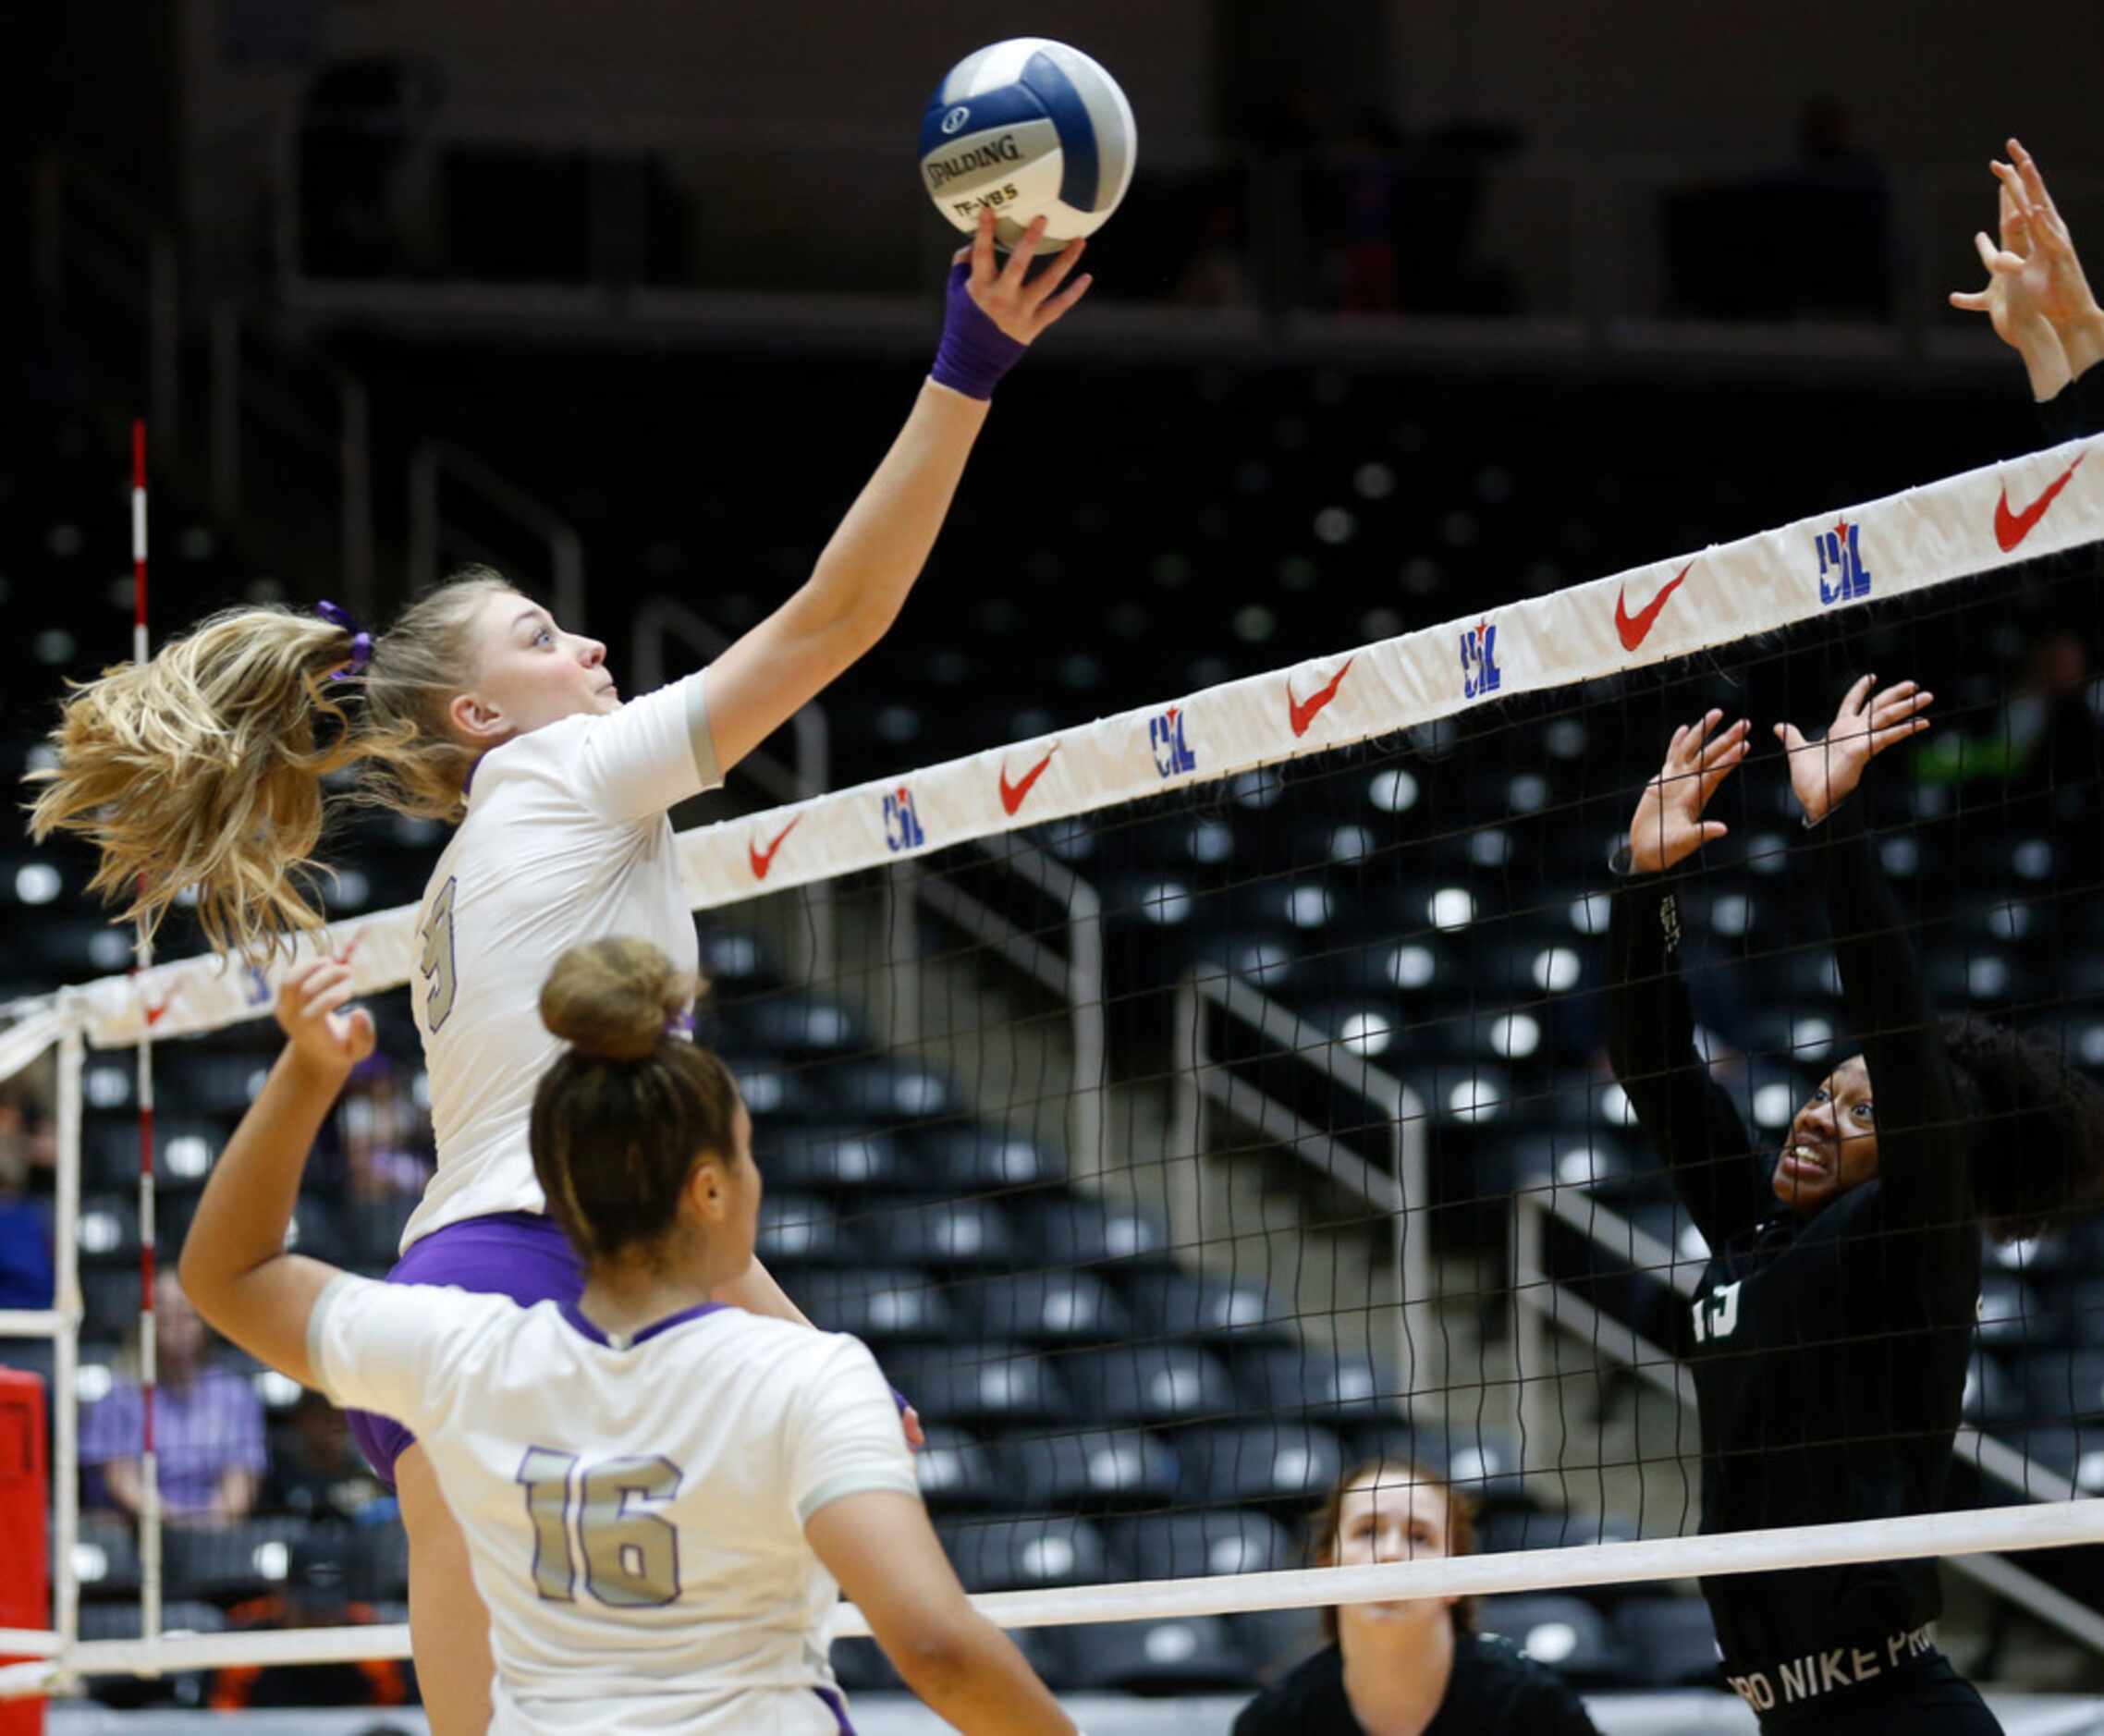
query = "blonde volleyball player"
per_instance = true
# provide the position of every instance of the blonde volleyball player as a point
(658, 1492)
(200, 772)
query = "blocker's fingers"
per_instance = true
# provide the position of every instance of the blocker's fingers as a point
(1858, 691)
(1018, 267)
(1882, 738)
(2033, 179)
(1972, 300)
(1040, 288)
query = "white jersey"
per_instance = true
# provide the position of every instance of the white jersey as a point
(565, 840)
(634, 1511)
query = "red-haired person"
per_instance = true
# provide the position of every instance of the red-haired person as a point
(1417, 1667)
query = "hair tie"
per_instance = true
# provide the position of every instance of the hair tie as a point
(360, 641)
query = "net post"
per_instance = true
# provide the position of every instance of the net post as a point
(66, 1346)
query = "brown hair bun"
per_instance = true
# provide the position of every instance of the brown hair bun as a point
(612, 999)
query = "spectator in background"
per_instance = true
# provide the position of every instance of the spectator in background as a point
(25, 1222)
(208, 1428)
(319, 1473)
(386, 1138)
(1410, 1668)
(2046, 732)
(315, 1596)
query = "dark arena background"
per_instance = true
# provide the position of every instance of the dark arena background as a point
(1170, 976)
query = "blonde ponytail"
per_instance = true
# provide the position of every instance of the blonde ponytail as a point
(201, 770)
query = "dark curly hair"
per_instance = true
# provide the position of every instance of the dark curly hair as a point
(2034, 1127)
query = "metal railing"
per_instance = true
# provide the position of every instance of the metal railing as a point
(1207, 1082)
(1075, 976)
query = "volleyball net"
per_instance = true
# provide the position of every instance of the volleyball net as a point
(1191, 1106)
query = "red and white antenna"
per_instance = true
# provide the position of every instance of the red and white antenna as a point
(148, 1463)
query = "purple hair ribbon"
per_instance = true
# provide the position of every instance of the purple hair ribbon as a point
(360, 641)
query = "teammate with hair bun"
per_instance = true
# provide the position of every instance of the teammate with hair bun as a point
(200, 771)
(1836, 1313)
(662, 1496)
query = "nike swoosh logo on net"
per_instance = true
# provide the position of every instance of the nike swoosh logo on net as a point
(1012, 795)
(1635, 629)
(2011, 528)
(1301, 712)
(764, 859)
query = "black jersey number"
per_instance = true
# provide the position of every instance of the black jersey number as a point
(631, 1555)
(1717, 1314)
(437, 964)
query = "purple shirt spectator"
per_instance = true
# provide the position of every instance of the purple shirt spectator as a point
(210, 1424)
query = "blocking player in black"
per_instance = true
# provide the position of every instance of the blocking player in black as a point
(1834, 1318)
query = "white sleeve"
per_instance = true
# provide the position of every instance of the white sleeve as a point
(652, 752)
(395, 1349)
(845, 1433)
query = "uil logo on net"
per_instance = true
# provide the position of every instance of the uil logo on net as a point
(1842, 575)
(1480, 673)
(902, 821)
(1172, 751)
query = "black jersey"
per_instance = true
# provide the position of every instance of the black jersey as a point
(2076, 409)
(1495, 1690)
(1828, 1354)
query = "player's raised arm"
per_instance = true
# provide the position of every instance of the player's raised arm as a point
(861, 579)
(234, 1266)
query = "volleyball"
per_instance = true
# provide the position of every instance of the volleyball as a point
(1028, 128)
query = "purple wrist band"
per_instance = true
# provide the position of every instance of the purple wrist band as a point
(974, 352)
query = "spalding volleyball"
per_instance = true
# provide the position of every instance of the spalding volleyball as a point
(1028, 128)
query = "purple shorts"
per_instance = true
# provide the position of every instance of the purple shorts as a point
(518, 1254)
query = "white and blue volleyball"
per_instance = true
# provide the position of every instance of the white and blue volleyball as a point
(1028, 128)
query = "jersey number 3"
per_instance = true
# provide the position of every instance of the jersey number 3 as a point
(631, 1555)
(440, 985)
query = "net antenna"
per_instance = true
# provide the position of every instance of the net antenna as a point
(142, 947)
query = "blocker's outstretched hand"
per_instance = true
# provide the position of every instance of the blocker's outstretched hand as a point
(2020, 287)
(1669, 826)
(1022, 306)
(2066, 299)
(1825, 773)
(311, 1012)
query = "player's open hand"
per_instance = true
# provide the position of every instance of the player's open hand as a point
(1021, 305)
(2064, 297)
(1825, 773)
(1669, 826)
(318, 1023)
(2021, 286)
